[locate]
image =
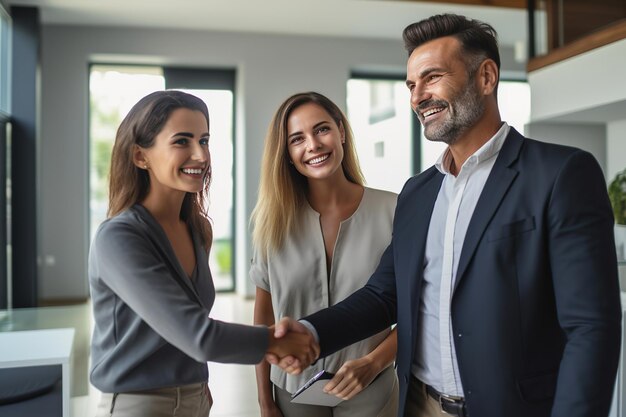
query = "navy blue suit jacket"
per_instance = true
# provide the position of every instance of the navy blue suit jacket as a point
(535, 311)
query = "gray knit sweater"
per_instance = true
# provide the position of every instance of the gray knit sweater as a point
(151, 321)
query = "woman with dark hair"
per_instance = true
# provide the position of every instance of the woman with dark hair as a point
(318, 235)
(151, 287)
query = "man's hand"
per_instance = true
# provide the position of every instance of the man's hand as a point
(292, 347)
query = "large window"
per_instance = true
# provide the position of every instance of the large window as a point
(6, 274)
(115, 89)
(5, 54)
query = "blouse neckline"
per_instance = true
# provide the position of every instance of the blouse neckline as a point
(346, 220)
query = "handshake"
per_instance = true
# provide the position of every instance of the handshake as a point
(292, 346)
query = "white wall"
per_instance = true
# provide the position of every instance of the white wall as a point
(589, 137)
(575, 99)
(269, 68)
(580, 85)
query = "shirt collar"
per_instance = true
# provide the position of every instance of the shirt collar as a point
(489, 149)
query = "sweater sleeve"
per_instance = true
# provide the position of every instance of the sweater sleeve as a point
(131, 266)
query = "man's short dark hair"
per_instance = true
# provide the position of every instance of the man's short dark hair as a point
(477, 38)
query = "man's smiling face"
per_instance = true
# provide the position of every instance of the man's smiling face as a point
(444, 92)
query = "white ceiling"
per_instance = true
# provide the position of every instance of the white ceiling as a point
(345, 18)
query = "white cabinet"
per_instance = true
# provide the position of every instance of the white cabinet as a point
(40, 347)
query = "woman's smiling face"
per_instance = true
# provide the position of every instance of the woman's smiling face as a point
(314, 142)
(179, 159)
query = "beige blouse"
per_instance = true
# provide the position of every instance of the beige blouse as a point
(296, 276)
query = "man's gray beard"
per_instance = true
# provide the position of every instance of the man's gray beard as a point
(468, 106)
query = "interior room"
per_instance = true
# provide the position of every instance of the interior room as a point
(70, 70)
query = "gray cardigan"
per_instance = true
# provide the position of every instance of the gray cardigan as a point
(151, 322)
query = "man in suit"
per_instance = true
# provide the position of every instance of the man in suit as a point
(501, 273)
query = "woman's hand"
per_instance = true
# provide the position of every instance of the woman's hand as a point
(353, 377)
(356, 375)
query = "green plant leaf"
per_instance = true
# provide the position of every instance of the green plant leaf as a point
(617, 195)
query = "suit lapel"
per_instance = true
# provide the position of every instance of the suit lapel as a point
(498, 182)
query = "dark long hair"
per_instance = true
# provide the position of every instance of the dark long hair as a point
(129, 184)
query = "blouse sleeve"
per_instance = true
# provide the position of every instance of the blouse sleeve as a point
(259, 272)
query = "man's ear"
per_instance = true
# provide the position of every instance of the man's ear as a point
(488, 75)
(139, 158)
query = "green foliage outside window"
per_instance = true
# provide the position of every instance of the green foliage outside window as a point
(103, 127)
(223, 255)
(101, 162)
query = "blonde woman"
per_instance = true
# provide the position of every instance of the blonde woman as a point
(318, 235)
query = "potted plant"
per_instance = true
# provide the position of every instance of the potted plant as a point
(617, 195)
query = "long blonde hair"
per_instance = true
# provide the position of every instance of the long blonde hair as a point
(282, 189)
(128, 184)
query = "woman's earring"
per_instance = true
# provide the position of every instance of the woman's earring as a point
(291, 162)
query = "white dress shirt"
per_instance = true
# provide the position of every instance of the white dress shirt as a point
(435, 360)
